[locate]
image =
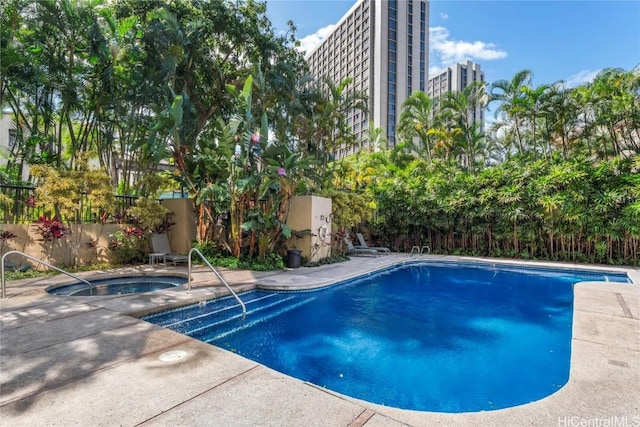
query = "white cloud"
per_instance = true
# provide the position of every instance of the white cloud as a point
(444, 15)
(433, 71)
(581, 77)
(447, 51)
(308, 43)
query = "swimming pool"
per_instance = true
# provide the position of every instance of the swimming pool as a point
(431, 337)
(119, 286)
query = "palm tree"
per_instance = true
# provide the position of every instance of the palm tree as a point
(458, 111)
(561, 114)
(447, 142)
(416, 119)
(534, 105)
(332, 131)
(616, 113)
(510, 94)
(376, 139)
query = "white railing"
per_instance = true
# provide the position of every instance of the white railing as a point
(224, 282)
(41, 262)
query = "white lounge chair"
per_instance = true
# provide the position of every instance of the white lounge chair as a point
(363, 244)
(160, 245)
(357, 250)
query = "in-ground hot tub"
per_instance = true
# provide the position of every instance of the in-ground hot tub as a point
(118, 286)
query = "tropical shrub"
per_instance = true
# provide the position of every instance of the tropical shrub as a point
(4, 236)
(51, 231)
(563, 210)
(129, 246)
(220, 258)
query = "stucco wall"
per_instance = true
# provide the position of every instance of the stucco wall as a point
(183, 232)
(73, 249)
(311, 213)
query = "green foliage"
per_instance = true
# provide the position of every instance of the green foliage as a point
(152, 185)
(325, 261)
(348, 209)
(29, 274)
(149, 214)
(33, 273)
(5, 200)
(130, 84)
(248, 179)
(128, 246)
(566, 210)
(270, 262)
(67, 194)
(61, 191)
(218, 258)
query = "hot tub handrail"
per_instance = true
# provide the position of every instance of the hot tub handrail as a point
(41, 262)
(224, 282)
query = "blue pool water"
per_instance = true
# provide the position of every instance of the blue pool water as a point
(431, 337)
(119, 286)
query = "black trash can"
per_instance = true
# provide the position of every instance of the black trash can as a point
(293, 258)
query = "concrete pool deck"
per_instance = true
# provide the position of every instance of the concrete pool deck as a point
(90, 361)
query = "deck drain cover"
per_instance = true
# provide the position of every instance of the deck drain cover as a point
(172, 356)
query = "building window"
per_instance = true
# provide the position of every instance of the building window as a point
(13, 138)
(423, 49)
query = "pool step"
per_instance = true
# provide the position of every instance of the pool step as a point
(212, 320)
(207, 308)
(216, 319)
(237, 323)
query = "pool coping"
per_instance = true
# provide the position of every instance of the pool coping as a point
(603, 384)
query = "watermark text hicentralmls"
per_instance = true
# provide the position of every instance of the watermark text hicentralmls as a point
(619, 421)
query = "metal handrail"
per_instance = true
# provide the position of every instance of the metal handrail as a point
(224, 282)
(420, 250)
(41, 262)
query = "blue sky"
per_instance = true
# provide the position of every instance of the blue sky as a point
(556, 40)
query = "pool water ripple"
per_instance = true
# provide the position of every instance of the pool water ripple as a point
(430, 337)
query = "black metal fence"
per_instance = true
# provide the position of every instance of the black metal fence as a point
(18, 206)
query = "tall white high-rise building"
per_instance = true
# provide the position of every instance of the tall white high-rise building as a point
(454, 79)
(384, 46)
